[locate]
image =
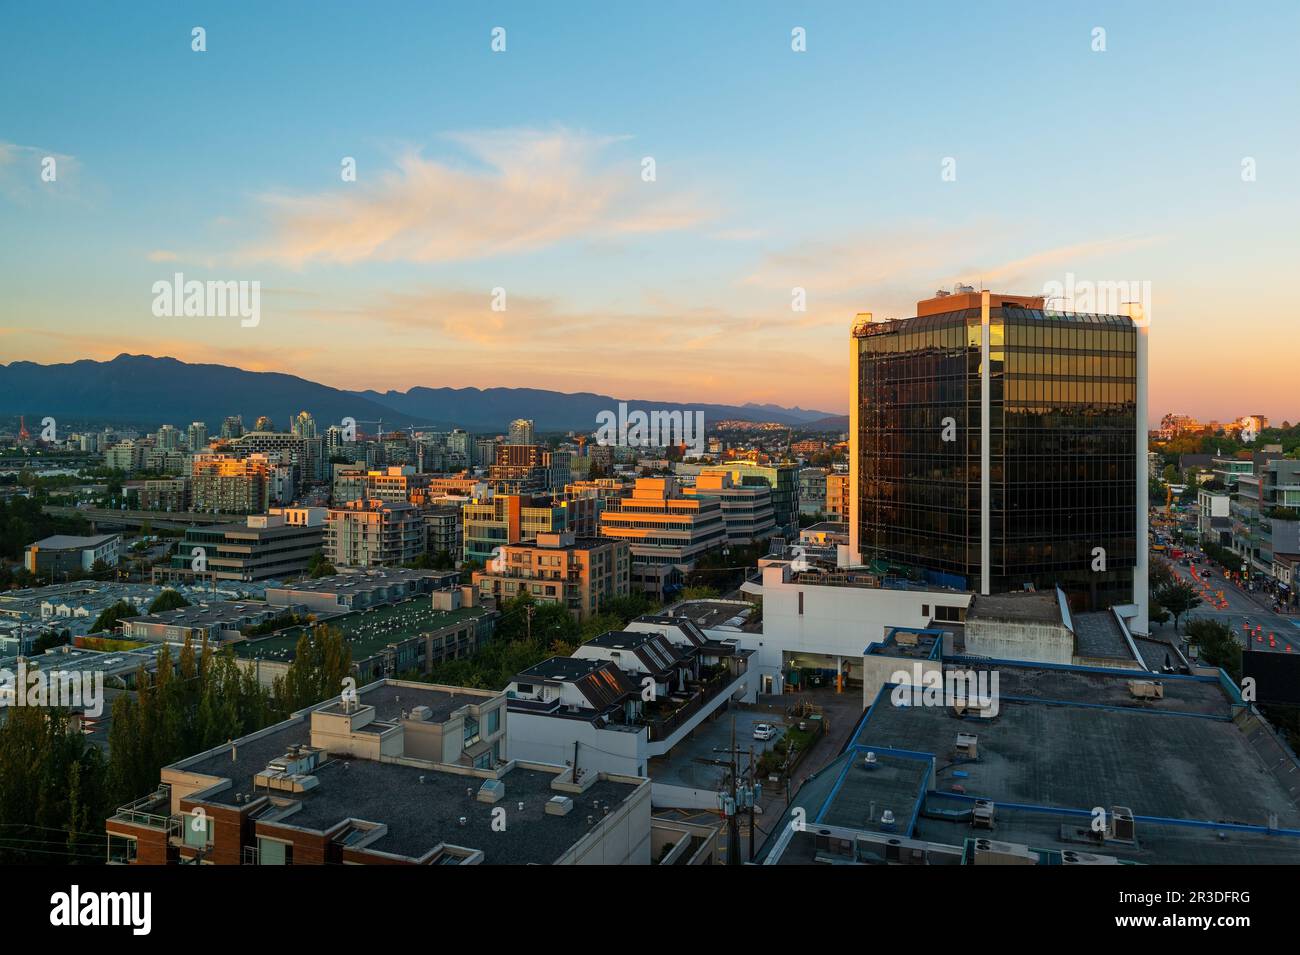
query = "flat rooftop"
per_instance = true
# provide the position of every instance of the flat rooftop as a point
(214, 611)
(420, 815)
(1025, 607)
(368, 631)
(364, 582)
(71, 542)
(1202, 788)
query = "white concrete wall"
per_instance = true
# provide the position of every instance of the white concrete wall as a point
(838, 621)
(532, 737)
(1001, 640)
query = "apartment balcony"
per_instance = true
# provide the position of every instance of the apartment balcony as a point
(696, 698)
(151, 812)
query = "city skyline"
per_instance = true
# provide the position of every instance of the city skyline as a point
(771, 174)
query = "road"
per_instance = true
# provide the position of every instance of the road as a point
(1242, 606)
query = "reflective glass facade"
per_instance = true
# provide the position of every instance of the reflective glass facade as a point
(1062, 448)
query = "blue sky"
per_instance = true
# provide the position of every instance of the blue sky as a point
(522, 170)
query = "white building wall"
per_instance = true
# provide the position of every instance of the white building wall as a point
(536, 738)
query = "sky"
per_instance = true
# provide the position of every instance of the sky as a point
(906, 148)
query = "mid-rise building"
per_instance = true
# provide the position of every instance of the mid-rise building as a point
(812, 491)
(227, 484)
(838, 497)
(371, 533)
(496, 520)
(71, 555)
(782, 479)
(747, 510)
(666, 531)
(407, 774)
(580, 574)
(262, 547)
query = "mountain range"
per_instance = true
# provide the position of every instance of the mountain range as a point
(145, 391)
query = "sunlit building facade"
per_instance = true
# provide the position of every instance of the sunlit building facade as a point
(998, 445)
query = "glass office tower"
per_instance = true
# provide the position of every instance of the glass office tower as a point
(997, 446)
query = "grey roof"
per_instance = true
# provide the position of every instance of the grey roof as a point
(1018, 607)
(1099, 634)
(1072, 739)
(71, 542)
(419, 815)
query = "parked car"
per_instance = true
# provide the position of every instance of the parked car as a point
(764, 731)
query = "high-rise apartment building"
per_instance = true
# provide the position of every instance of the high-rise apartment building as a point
(197, 436)
(521, 431)
(997, 445)
(225, 484)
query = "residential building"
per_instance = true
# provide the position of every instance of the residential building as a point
(496, 520)
(408, 773)
(160, 494)
(409, 637)
(197, 437)
(1213, 521)
(372, 533)
(623, 699)
(580, 574)
(227, 484)
(361, 590)
(217, 622)
(838, 497)
(812, 491)
(521, 431)
(998, 445)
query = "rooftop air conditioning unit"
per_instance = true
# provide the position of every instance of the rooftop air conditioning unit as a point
(990, 852)
(1146, 689)
(967, 745)
(983, 814)
(1070, 857)
(1120, 825)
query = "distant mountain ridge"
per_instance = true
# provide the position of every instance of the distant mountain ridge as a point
(146, 391)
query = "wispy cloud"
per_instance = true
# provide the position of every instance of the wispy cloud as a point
(29, 173)
(525, 190)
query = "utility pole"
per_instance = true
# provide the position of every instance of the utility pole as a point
(735, 798)
(528, 612)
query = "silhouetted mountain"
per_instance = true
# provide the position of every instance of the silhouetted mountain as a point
(146, 391)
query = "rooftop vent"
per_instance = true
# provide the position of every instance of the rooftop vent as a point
(492, 791)
(967, 745)
(421, 714)
(559, 806)
(1146, 690)
(871, 762)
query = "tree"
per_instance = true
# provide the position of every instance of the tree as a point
(169, 599)
(318, 566)
(321, 661)
(1218, 645)
(110, 617)
(1178, 598)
